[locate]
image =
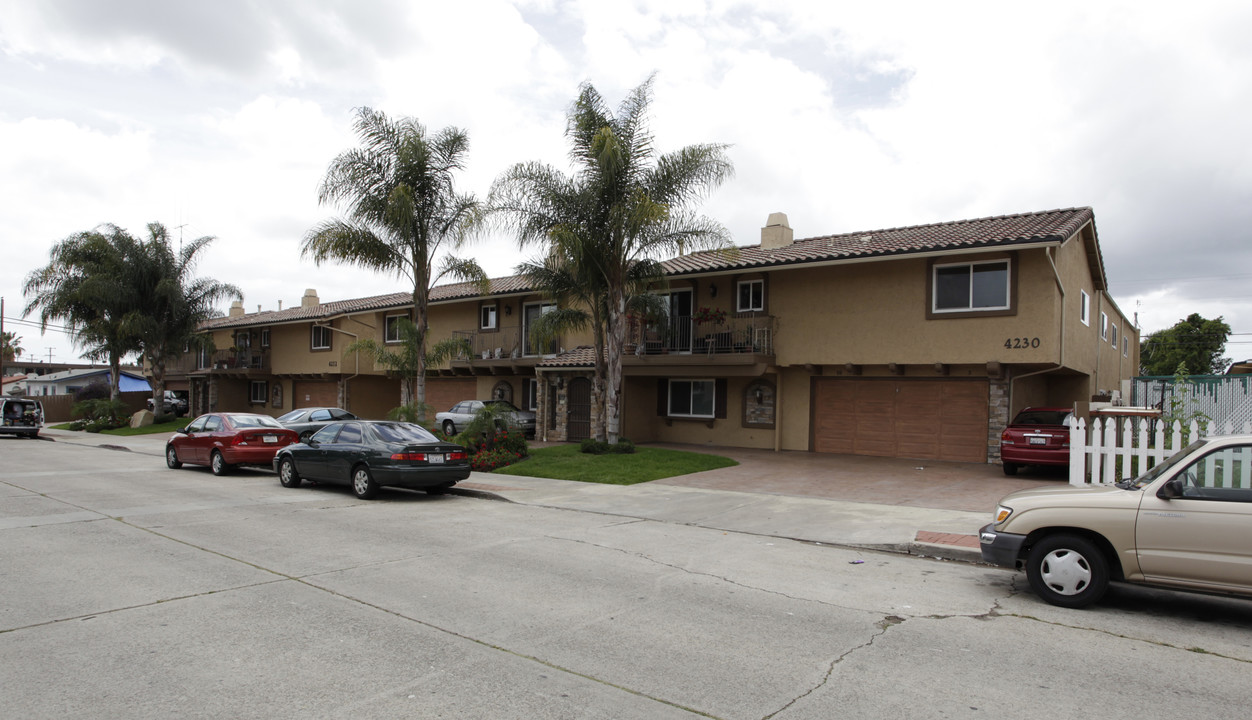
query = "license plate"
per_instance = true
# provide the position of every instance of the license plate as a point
(435, 459)
(269, 438)
(1038, 441)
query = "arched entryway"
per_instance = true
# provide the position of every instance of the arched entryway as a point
(578, 422)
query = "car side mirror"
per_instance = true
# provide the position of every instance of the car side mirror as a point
(1171, 489)
(183, 430)
(312, 443)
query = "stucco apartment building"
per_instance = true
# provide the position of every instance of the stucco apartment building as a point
(916, 342)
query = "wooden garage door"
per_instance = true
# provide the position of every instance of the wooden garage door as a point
(926, 419)
(311, 393)
(443, 393)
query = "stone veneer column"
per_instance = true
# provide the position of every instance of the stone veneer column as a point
(997, 417)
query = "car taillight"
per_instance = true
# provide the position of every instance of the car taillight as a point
(1005, 439)
(419, 457)
(458, 456)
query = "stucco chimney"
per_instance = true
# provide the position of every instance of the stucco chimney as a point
(236, 309)
(776, 233)
(310, 299)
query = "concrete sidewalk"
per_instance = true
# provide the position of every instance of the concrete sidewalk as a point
(930, 532)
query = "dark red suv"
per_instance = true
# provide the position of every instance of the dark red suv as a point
(1037, 436)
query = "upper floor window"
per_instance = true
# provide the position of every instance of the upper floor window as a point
(391, 328)
(265, 338)
(321, 337)
(1104, 326)
(751, 296)
(971, 286)
(1084, 308)
(1113, 336)
(1125, 346)
(487, 317)
(243, 340)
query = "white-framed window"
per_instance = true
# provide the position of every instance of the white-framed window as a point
(531, 312)
(1125, 346)
(258, 392)
(265, 338)
(1104, 326)
(204, 359)
(1084, 308)
(243, 340)
(692, 398)
(965, 287)
(487, 317)
(391, 328)
(1113, 336)
(530, 394)
(750, 296)
(320, 338)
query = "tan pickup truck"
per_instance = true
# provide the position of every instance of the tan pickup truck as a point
(1185, 524)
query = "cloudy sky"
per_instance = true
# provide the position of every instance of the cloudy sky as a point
(219, 118)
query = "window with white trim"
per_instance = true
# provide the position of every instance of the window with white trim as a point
(692, 398)
(265, 338)
(1084, 308)
(1125, 346)
(1113, 338)
(320, 338)
(750, 296)
(1104, 326)
(966, 287)
(487, 317)
(258, 392)
(391, 328)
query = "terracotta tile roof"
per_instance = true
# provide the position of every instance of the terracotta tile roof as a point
(1051, 225)
(441, 293)
(581, 356)
(989, 232)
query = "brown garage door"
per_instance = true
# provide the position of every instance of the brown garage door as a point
(443, 393)
(928, 419)
(321, 393)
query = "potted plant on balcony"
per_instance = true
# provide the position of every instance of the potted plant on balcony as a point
(714, 316)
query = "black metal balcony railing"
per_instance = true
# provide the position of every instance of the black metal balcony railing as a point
(239, 360)
(683, 334)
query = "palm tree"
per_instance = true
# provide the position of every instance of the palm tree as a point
(402, 212)
(10, 346)
(87, 287)
(625, 205)
(175, 303)
(405, 360)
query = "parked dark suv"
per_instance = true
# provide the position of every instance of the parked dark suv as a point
(174, 404)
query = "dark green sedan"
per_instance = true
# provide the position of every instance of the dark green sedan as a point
(369, 454)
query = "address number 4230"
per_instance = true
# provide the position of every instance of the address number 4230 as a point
(1021, 343)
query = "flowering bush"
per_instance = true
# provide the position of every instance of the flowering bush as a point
(717, 316)
(487, 460)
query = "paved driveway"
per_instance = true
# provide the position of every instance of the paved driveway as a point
(886, 481)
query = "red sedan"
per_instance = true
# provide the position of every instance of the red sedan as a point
(1037, 436)
(225, 440)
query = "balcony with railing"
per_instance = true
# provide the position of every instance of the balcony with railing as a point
(746, 334)
(236, 362)
(506, 346)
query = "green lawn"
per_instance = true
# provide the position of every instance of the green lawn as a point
(565, 462)
(168, 427)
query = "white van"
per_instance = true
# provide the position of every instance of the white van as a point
(19, 416)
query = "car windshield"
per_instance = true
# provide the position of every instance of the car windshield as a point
(502, 403)
(402, 433)
(1042, 417)
(254, 421)
(290, 416)
(1160, 468)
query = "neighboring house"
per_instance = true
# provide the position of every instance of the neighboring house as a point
(69, 382)
(913, 342)
(13, 385)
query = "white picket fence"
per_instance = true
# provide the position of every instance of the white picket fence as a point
(1108, 450)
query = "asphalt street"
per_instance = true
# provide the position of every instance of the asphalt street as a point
(131, 590)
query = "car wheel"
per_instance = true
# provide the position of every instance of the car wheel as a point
(448, 428)
(363, 483)
(1010, 468)
(218, 464)
(171, 458)
(1067, 570)
(287, 474)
